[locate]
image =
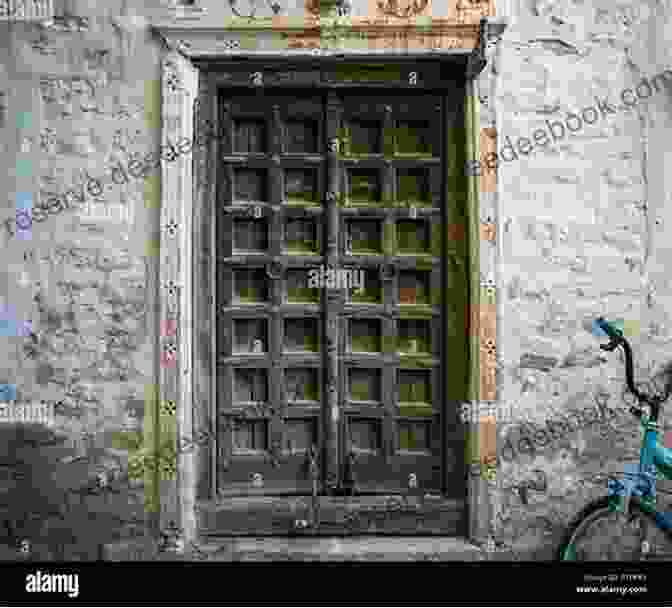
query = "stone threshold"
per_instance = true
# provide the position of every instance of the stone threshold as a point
(361, 548)
(330, 549)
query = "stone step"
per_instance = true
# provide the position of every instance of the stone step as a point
(362, 548)
(142, 549)
(342, 549)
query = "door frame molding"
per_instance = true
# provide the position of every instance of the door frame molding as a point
(187, 366)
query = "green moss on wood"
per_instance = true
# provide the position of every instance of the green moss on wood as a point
(389, 344)
(411, 362)
(389, 243)
(412, 311)
(303, 294)
(436, 240)
(415, 410)
(368, 344)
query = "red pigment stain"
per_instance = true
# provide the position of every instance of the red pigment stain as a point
(168, 360)
(168, 327)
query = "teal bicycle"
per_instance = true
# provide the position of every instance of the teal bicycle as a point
(625, 525)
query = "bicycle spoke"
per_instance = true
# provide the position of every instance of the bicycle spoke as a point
(602, 534)
(609, 536)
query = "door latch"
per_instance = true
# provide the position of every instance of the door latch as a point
(313, 468)
(314, 473)
(349, 475)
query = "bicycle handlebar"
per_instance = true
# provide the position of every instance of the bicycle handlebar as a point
(618, 339)
(613, 332)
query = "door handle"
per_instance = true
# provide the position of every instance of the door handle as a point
(313, 470)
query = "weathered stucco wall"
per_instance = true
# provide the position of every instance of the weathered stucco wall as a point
(81, 97)
(581, 230)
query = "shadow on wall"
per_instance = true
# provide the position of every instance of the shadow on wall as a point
(40, 517)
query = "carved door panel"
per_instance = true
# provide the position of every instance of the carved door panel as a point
(390, 217)
(270, 379)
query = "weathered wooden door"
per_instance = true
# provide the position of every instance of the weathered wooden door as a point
(389, 340)
(270, 387)
(330, 309)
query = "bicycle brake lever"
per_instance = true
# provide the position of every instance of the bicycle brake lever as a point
(636, 411)
(612, 345)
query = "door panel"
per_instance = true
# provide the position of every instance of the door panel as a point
(269, 334)
(346, 363)
(391, 379)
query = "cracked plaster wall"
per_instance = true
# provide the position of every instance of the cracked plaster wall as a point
(583, 226)
(80, 96)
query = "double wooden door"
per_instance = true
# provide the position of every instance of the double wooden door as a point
(331, 295)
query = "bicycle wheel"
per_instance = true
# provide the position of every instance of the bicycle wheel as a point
(599, 534)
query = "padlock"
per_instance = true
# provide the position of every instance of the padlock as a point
(257, 480)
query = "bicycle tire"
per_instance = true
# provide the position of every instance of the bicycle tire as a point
(659, 549)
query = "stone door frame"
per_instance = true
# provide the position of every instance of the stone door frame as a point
(180, 87)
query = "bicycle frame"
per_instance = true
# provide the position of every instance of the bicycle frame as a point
(653, 457)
